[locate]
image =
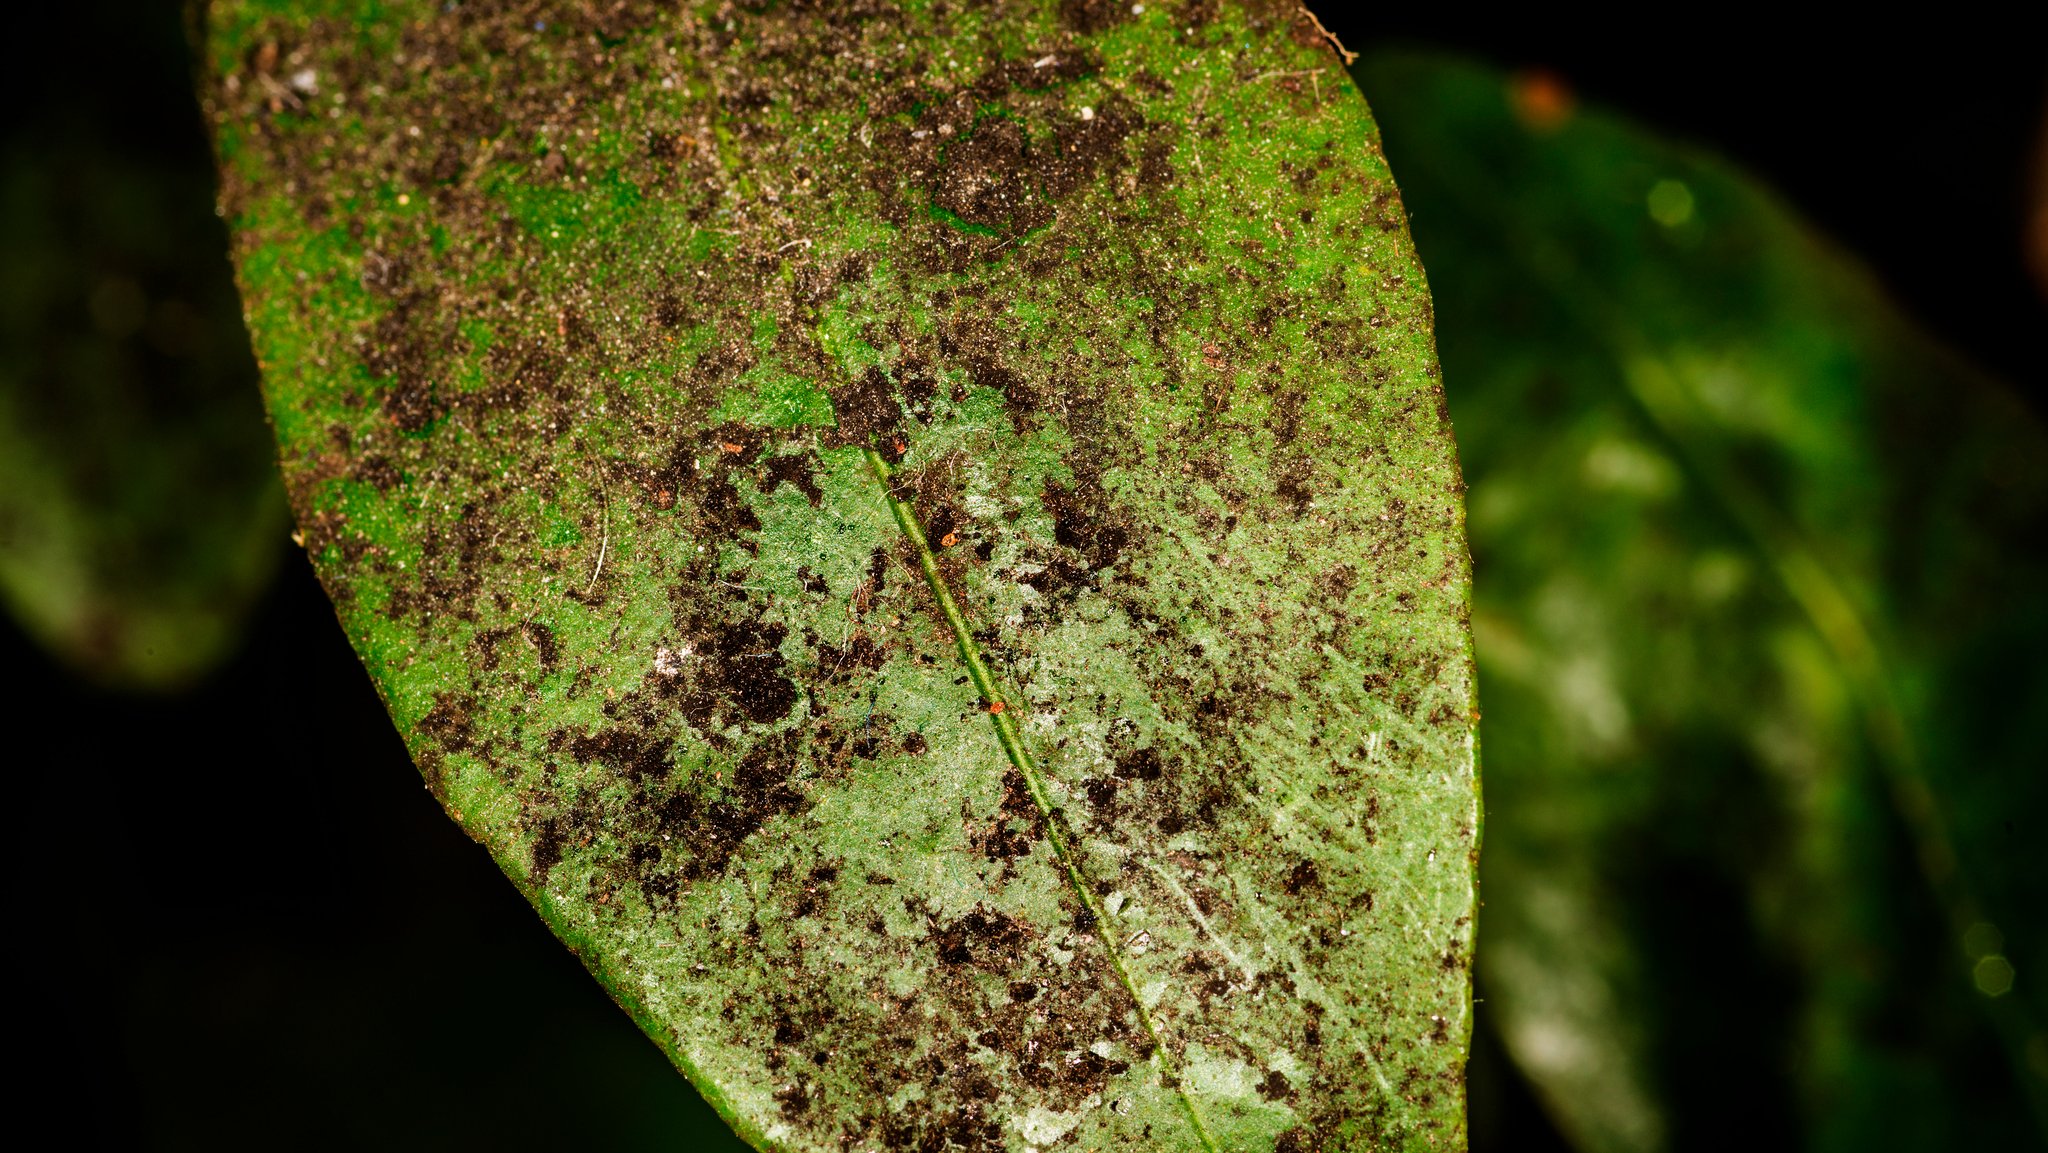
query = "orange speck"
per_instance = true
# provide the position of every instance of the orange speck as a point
(949, 540)
(1541, 100)
(729, 446)
(997, 707)
(900, 446)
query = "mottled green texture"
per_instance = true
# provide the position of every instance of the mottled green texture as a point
(925, 539)
(140, 512)
(1762, 592)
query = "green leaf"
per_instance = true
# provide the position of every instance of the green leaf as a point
(140, 513)
(1759, 613)
(927, 544)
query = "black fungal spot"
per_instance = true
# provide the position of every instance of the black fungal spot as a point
(1102, 792)
(918, 384)
(1304, 876)
(867, 411)
(378, 471)
(985, 938)
(629, 752)
(798, 470)
(669, 312)
(795, 1100)
(873, 740)
(1084, 520)
(715, 823)
(985, 180)
(411, 405)
(1294, 484)
(989, 180)
(746, 669)
(543, 640)
(1286, 415)
(1018, 822)
(1139, 765)
(1092, 16)
(1035, 72)
(451, 722)
(547, 850)
(1338, 581)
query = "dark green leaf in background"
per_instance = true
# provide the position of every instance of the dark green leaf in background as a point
(140, 512)
(1760, 613)
(925, 540)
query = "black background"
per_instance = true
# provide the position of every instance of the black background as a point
(241, 922)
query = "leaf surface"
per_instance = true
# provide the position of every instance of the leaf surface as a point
(925, 540)
(1759, 610)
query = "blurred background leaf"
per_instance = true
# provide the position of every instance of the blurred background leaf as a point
(1761, 593)
(139, 502)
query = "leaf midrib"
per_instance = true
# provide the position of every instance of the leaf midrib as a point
(1034, 782)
